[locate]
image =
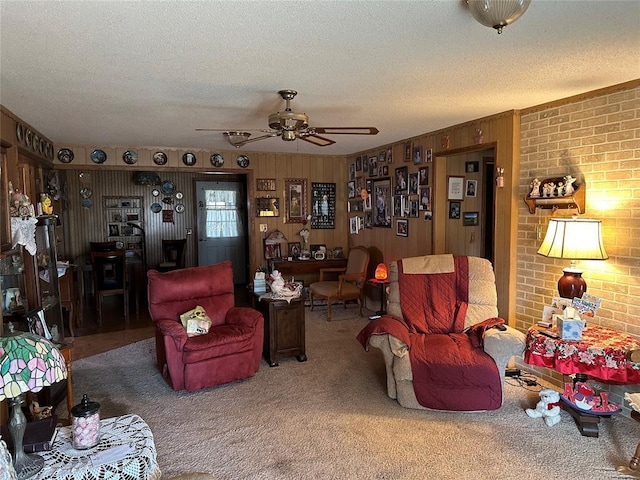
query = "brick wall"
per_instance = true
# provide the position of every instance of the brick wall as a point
(597, 140)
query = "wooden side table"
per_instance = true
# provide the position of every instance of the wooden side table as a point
(283, 327)
(601, 354)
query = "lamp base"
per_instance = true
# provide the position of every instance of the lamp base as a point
(571, 284)
(26, 466)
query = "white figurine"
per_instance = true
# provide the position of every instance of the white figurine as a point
(535, 188)
(548, 408)
(568, 189)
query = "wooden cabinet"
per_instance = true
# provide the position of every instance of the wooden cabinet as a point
(283, 328)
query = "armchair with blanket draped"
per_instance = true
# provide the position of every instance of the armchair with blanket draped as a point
(438, 342)
(230, 351)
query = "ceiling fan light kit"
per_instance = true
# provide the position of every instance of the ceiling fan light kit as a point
(290, 126)
(497, 13)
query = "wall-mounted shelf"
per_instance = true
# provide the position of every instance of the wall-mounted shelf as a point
(556, 196)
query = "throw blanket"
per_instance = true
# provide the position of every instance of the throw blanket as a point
(450, 369)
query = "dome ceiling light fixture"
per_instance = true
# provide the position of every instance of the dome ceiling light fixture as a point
(497, 13)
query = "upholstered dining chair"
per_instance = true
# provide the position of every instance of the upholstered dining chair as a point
(349, 285)
(110, 278)
(173, 253)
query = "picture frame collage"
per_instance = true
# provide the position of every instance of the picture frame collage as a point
(460, 187)
(382, 195)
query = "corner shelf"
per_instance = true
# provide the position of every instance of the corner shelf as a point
(576, 200)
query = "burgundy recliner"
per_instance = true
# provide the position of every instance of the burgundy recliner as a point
(230, 351)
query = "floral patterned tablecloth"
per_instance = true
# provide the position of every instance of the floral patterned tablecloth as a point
(600, 354)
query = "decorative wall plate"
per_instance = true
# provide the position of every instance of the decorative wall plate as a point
(42, 148)
(189, 159)
(20, 132)
(180, 208)
(98, 156)
(243, 161)
(65, 155)
(155, 192)
(130, 157)
(28, 137)
(86, 192)
(179, 195)
(156, 207)
(168, 187)
(87, 202)
(35, 145)
(50, 151)
(167, 200)
(217, 160)
(160, 158)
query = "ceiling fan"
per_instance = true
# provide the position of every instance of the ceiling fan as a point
(289, 126)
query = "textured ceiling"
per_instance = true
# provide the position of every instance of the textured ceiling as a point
(148, 73)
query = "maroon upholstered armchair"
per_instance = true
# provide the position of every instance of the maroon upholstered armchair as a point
(232, 348)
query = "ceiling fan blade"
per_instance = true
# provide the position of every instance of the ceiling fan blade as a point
(317, 140)
(228, 130)
(346, 130)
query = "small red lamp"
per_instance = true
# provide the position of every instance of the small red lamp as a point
(381, 272)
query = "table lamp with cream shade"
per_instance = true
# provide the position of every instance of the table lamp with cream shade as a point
(574, 239)
(28, 363)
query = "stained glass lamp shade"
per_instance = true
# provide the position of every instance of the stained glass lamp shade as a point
(28, 364)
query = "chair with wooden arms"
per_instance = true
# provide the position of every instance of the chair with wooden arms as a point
(349, 285)
(110, 278)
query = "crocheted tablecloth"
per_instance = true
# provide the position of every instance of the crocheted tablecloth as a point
(601, 354)
(62, 462)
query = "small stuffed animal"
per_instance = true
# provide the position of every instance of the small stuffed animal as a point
(547, 408)
(38, 412)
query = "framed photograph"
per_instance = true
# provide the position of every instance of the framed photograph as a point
(381, 202)
(455, 188)
(472, 188)
(116, 217)
(351, 189)
(317, 247)
(425, 198)
(358, 164)
(417, 154)
(294, 249)
(352, 171)
(408, 150)
(389, 155)
(368, 219)
(266, 184)
(373, 166)
(133, 217)
(323, 203)
(365, 164)
(413, 183)
(271, 250)
(382, 156)
(472, 167)
(37, 324)
(353, 225)
(114, 229)
(385, 170)
(401, 184)
(428, 155)
(454, 210)
(402, 227)
(413, 208)
(367, 204)
(295, 191)
(369, 185)
(423, 175)
(470, 219)
(397, 206)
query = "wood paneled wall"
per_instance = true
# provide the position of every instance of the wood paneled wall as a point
(502, 133)
(114, 178)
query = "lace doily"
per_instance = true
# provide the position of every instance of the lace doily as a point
(139, 462)
(23, 232)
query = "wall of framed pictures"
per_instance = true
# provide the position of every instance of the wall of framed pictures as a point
(121, 216)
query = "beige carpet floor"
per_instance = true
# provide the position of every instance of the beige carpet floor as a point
(330, 418)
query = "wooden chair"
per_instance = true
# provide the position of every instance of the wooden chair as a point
(173, 252)
(349, 285)
(110, 278)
